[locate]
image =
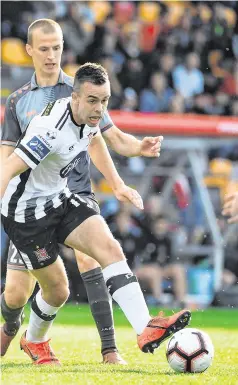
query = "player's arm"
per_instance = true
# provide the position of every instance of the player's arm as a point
(102, 160)
(11, 130)
(11, 167)
(5, 152)
(129, 146)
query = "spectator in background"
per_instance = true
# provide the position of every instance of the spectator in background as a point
(188, 79)
(160, 264)
(163, 63)
(132, 74)
(116, 88)
(128, 234)
(130, 100)
(177, 105)
(230, 81)
(158, 97)
(234, 106)
(220, 31)
(183, 34)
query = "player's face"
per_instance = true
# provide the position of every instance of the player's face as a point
(46, 51)
(91, 101)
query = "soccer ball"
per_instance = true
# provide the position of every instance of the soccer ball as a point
(190, 350)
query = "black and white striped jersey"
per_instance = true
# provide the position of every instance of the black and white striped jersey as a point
(52, 146)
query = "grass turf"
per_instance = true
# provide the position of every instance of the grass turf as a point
(78, 348)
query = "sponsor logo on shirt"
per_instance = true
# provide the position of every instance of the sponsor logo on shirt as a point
(38, 147)
(45, 141)
(71, 148)
(66, 170)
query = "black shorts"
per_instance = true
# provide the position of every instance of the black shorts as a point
(34, 244)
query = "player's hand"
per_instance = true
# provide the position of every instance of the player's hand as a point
(230, 207)
(127, 194)
(150, 147)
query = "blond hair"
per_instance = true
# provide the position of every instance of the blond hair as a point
(47, 26)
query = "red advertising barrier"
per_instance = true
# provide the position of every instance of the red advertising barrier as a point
(175, 125)
(171, 124)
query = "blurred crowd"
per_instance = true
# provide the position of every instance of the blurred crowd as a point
(174, 56)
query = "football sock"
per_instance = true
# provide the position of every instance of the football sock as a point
(100, 306)
(11, 316)
(125, 290)
(42, 316)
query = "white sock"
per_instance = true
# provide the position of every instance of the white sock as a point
(38, 328)
(130, 297)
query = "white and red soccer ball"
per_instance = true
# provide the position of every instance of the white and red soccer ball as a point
(190, 350)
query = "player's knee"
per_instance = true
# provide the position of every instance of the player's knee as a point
(16, 298)
(58, 295)
(87, 264)
(114, 250)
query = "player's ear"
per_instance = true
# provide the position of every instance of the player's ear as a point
(29, 49)
(74, 96)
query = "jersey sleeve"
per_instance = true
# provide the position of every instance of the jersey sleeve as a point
(11, 130)
(36, 144)
(106, 122)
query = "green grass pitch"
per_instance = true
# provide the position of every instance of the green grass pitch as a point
(76, 343)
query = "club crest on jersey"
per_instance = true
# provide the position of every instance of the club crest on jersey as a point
(51, 135)
(38, 147)
(41, 255)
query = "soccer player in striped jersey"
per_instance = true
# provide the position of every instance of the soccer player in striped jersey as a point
(50, 147)
(49, 82)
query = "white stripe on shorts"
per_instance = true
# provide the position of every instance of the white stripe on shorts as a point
(27, 261)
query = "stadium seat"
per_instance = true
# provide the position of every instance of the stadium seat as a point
(176, 11)
(70, 69)
(148, 12)
(205, 13)
(101, 10)
(230, 16)
(14, 53)
(103, 187)
(220, 176)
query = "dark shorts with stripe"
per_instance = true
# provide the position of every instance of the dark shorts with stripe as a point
(34, 244)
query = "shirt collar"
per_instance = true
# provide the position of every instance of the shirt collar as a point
(34, 84)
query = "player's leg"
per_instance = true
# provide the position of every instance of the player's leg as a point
(93, 237)
(100, 305)
(38, 247)
(12, 300)
(45, 305)
(99, 299)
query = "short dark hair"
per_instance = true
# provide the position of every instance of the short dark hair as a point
(47, 25)
(90, 72)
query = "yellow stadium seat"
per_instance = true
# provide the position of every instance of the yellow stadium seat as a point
(176, 11)
(104, 187)
(70, 69)
(14, 53)
(230, 16)
(205, 13)
(220, 176)
(148, 12)
(101, 10)
(220, 166)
